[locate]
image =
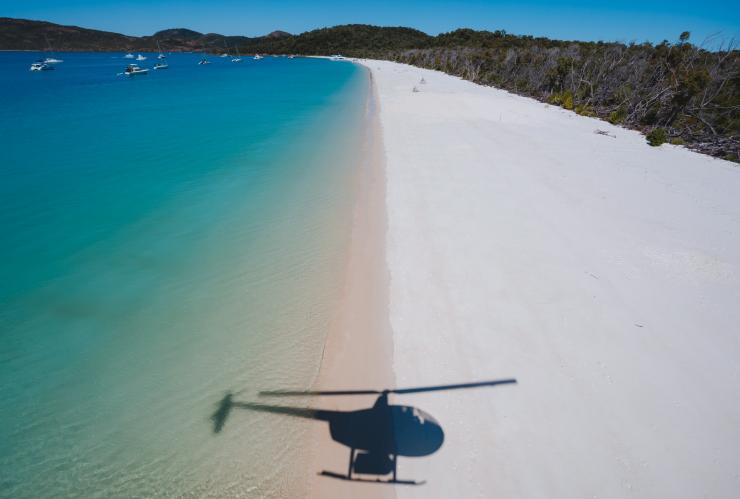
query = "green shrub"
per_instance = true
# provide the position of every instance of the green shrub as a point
(585, 110)
(657, 137)
(618, 116)
(564, 99)
(555, 99)
(567, 100)
(677, 141)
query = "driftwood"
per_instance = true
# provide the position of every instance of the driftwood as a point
(604, 132)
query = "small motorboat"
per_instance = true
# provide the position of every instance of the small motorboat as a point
(257, 57)
(134, 70)
(40, 66)
(128, 56)
(161, 65)
(140, 58)
(337, 57)
(52, 60)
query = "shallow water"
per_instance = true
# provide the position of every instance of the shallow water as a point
(165, 238)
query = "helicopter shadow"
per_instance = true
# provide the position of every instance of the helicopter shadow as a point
(376, 436)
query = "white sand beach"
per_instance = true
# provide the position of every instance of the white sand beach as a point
(602, 273)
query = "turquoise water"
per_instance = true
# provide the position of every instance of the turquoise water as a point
(166, 238)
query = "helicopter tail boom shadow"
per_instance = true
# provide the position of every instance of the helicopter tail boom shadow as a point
(299, 412)
(227, 404)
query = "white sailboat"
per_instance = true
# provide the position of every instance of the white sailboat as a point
(238, 57)
(162, 64)
(204, 60)
(161, 54)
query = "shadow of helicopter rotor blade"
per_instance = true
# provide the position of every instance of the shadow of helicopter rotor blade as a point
(454, 387)
(289, 393)
(299, 412)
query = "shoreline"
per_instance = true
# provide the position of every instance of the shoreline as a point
(358, 347)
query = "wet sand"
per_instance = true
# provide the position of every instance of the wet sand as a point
(358, 350)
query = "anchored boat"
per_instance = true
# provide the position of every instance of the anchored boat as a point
(134, 70)
(238, 57)
(40, 66)
(161, 57)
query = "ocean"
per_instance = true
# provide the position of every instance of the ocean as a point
(166, 239)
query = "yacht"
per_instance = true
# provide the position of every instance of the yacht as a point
(257, 57)
(133, 70)
(337, 57)
(140, 58)
(161, 65)
(128, 56)
(40, 66)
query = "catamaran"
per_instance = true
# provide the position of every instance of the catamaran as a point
(238, 57)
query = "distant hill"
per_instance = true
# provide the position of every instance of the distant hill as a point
(23, 34)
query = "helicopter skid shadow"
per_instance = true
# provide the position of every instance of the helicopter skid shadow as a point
(339, 476)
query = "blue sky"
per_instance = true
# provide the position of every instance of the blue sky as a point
(622, 20)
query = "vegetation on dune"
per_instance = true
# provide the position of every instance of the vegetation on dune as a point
(690, 93)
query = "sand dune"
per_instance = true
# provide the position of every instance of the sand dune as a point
(600, 272)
